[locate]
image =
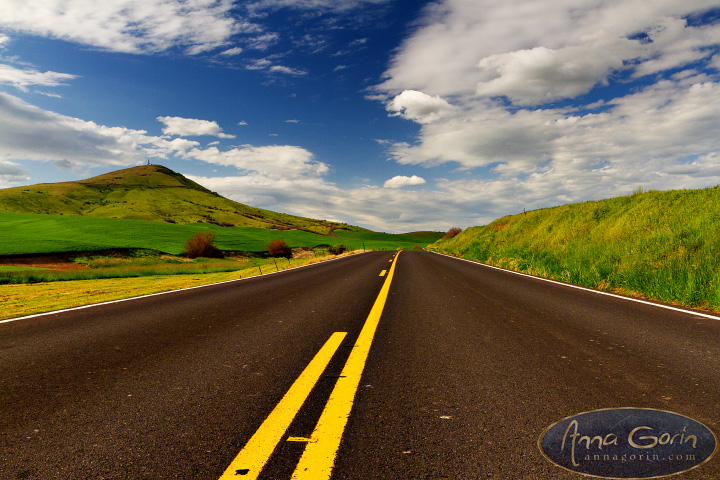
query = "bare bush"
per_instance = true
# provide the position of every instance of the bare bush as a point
(279, 248)
(453, 232)
(337, 249)
(201, 245)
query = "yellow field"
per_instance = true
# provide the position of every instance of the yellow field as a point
(28, 299)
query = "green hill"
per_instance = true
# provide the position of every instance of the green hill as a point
(664, 245)
(150, 192)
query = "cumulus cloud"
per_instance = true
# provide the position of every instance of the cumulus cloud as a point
(274, 161)
(664, 120)
(30, 133)
(127, 25)
(192, 127)
(393, 210)
(542, 75)
(23, 78)
(419, 106)
(11, 173)
(400, 181)
(465, 43)
(504, 91)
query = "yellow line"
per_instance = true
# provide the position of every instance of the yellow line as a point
(382, 274)
(253, 457)
(318, 459)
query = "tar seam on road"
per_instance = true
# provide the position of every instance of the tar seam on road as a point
(578, 287)
(256, 452)
(72, 309)
(318, 459)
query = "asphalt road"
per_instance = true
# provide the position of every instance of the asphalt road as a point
(467, 366)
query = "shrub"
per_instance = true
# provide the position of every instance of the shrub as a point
(337, 249)
(201, 245)
(453, 232)
(279, 248)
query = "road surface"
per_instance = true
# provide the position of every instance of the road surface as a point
(460, 373)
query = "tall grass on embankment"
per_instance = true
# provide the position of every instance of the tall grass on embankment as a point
(663, 245)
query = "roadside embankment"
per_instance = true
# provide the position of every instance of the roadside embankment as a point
(661, 245)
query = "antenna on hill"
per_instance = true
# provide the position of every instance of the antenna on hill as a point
(148, 161)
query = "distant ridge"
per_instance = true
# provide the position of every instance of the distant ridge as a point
(151, 192)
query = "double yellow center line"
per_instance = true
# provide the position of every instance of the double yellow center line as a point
(318, 459)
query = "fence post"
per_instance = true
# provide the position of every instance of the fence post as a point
(276, 267)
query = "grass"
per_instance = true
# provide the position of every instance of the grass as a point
(28, 299)
(28, 233)
(385, 241)
(660, 245)
(106, 267)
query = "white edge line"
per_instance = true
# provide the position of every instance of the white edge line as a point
(600, 292)
(82, 307)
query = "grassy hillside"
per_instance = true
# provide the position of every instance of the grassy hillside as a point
(149, 192)
(661, 245)
(26, 233)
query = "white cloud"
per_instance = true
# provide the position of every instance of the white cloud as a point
(519, 151)
(242, 123)
(312, 43)
(4, 40)
(263, 42)
(465, 43)
(127, 25)
(23, 78)
(232, 52)
(274, 161)
(542, 75)
(191, 127)
(393, 210)
(665, 120)
(11, 173)
(420, 107)
(287, 70)
(292, 121)
(30, 133)
(267, 65)
(403, 181)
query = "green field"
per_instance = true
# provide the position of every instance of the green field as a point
(27, 233)
(661, 245)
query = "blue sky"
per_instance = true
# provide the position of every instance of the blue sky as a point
(394, 115)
